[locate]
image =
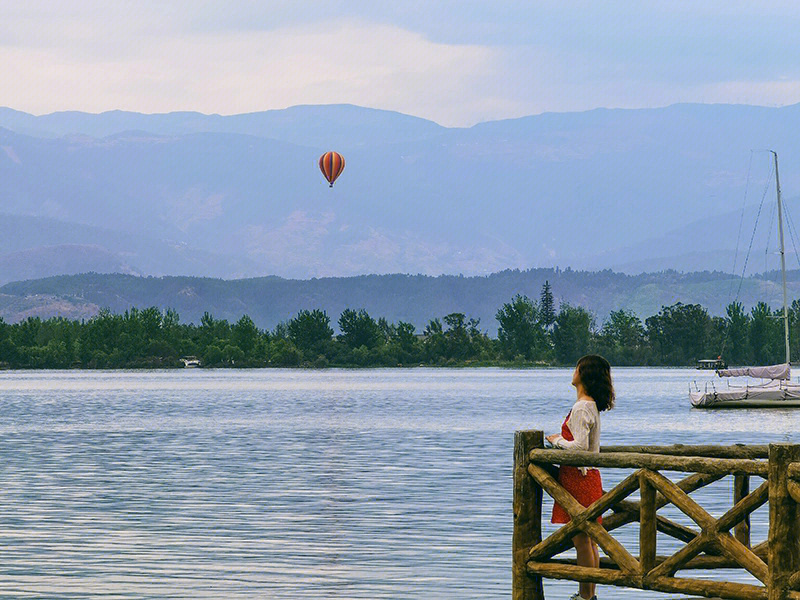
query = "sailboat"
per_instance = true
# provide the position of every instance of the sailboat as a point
(776, 389)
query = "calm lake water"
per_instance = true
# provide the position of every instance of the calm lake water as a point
(380, 484)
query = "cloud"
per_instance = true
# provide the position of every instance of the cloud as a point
(751, 92)
(454, 61)
(77, 64)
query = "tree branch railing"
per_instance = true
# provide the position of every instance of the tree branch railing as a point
(713, 543)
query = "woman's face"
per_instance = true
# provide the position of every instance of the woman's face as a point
(576, 378)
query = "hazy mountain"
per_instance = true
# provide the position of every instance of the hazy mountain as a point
(18, 308)
(43, 261)
(592, 190)
(720, 243)
(341, 126)
(412, 298)
(35, 247)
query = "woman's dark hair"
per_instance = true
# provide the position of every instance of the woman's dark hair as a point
(595, 374)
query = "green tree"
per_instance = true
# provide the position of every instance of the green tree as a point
(387, 329)
(8, 353)
(8, 350)
(151, 322)
(403, 347)
(27, 332)
(622, 339)
(679, 333)
(463, 340)
(547, 307)
(245, 335)
(766, 335)
(521, 332)
(715, 336)
(359, 329)
(54, 355)
(362, 356)
(213, 355)
(736, 344)
(283, 353)
(435, 343)
(309, 330)
(99, 360)
(457, 339)
(794, 328)
(213, 331)
(572, 333)
(161, 349)
(233, 355)
(281, 331)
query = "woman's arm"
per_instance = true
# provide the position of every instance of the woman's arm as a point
(581, 422)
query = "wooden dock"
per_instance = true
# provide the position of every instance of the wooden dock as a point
(773, 473)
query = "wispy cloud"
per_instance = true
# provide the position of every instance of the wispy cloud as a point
(453, 61)
(72, 65)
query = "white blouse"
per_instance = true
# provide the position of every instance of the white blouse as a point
(584, 424)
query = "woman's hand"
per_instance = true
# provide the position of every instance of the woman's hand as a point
(552, 438)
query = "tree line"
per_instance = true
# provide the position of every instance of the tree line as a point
(530, 332)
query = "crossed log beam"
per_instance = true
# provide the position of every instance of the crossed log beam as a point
(650, 571)
(627, 512)
(793, 490)
(711, 543)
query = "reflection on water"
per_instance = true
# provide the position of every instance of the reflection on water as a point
(302, 484)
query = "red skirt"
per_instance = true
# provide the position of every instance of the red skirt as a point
(586, 489)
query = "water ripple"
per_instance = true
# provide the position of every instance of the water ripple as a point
(380, 484)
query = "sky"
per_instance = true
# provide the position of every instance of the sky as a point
(455, 62)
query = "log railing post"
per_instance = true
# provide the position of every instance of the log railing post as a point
(774, 562)
(741, 487)
(527, 517)
(647, 524)
(784, 522)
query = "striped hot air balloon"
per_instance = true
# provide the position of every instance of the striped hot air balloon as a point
(331, 164)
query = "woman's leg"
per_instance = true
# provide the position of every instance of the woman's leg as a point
(588, 556)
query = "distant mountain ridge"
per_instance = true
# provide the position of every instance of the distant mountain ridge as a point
(240, 195)
(36, 247)
(305, 125)
(411, 298)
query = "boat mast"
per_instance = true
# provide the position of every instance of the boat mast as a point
(783, 257)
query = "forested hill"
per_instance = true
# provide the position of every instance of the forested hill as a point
(411, 298)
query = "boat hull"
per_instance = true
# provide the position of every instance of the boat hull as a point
(751, 404)
(766, 396)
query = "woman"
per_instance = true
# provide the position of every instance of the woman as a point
(581, 431)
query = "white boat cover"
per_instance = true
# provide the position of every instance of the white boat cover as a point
(782, 371)
(774, 394)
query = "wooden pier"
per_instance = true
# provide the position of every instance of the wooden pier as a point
(773, 473)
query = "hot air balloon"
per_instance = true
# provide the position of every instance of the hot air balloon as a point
(331, 164)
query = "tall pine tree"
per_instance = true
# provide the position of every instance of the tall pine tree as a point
(547, 308)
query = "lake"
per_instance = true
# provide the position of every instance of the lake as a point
(380, 484)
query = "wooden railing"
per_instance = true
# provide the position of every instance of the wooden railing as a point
(775, 562)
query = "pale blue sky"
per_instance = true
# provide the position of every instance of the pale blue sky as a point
(454, 62)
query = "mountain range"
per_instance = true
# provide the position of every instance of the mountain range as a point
(240, 196)
(411, 298)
